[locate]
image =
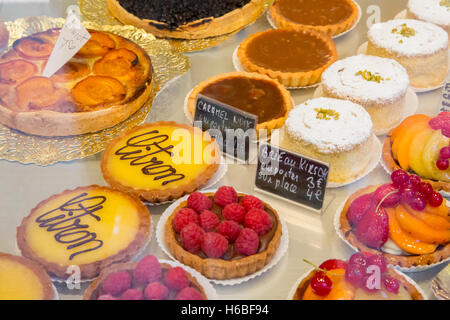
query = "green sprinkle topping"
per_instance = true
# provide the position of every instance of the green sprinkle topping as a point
(445, 3)
(369, 76)
(326, 114)
(405, 30)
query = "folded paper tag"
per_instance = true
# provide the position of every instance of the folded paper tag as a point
(73, 36)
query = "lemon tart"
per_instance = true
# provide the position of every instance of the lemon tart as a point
(23, 279)
(160, 161)
(89, 227)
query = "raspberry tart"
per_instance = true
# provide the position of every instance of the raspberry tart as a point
(355, 279)
(421, 145)
(406, 221)
(148, 279)
(223, 235)
(434, 11)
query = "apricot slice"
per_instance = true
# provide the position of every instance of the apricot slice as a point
(404, 240)
(98, 45)
(71, 71)
(34, 48)
(342, 290)
(434, 221)
(420, 230)
(15, 71)
(407, 122)
(116, 63)
(37, 93)
(430, 154)
(442, 210)
(413, 158)
(97, 90)
(403, 134)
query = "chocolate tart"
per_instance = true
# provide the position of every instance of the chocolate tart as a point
(251, 92)
(231, 265)
(403, 261)
(287, 55)
(207, 26)
(107, 81)
(328, 16)
(112, 227)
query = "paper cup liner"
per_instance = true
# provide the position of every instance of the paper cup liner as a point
(281, 251)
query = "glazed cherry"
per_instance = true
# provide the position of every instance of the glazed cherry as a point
(442, 164)
(399, 177)
(435, 199)
(321, 284)
(426, 189)
(414, 181)
(445, 153)
(391, 284)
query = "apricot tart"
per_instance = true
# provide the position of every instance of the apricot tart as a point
(421, 47)
(334, 131)
(90, 227)
(406, 221)
(251, 92)
(23, 279)
(223, 235)
(160, 161)
(148, 279)
(107, 81)
(355, 279)
(377, 84)
(434, 11)
(294, 57)
(330, 17)
(420, 144)
(187, 19)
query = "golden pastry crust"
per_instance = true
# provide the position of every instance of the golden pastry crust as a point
(331, 29)
(267, 125)
(155, 196)
(217, 268)
(392, 165)
(92, 292)
(289, 79)
(47, 286)
(90, 270)
(403, 261)
(199, 29)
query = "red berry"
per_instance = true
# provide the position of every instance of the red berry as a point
(247, 242)
(156, 291)
(209, 220)
(106, 297)
(258, 220)
(426, 189)
(373, 229)
(435, 199)
(358, 259)
(147, 270)
(333, 264)
(379, 261)
(234, 211)
(418, 201)
(369, 283)
(414, 181)
(225, 195)
(251, 202)
(445, 153)
(176, 278)
(442, 164)
(446, 132)
(390, 201)
(358, 208)
(189, 293)
(116, 283)
(399, 177)
(183, 217)
(230, 230)
(199, 202)
(191, 237)
(391, 284)
(132, 294)
(214, 245)
(407, 193)
(321, 284)
(355, 274)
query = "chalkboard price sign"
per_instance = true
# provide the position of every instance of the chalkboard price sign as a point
(292, 176)
(445, 99)
(231, 127)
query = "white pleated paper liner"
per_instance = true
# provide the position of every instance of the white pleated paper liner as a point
(303, 276)
(337, 227)
(272, 23)
(282, 249)
(411, 102)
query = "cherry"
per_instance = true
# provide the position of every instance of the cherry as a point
(418, 201)
(391, 284)
(442, 164)
(358, 259)
(355, 274)
(377, 260)
(333, 264)
(445, 153)
(435, 199)
(399, 177)
(390, 201)
(426, 189)
(321, 284)
(414, 181)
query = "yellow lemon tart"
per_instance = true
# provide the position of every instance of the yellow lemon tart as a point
(22, 279)
(89, 227)
(160, 161)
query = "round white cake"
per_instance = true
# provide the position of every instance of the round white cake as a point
(421, 47)
(434, 11)
(378, 84)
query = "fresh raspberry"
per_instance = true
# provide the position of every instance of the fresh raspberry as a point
(183, 217)
(234, 211)
(117, 283)
(251, 202)
(258, 220)
(147, 270)
(247, 242)
(191, 237)
(106, 297)
(156, 291)
(225, 195)
(176, 278)
(199, 202)
(209, 220)
(230, 230)
(214, 245)
(132, 294)
(189, 293)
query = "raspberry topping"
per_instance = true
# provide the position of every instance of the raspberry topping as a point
(250, 202)
(132, 294)
(156, 291)
(117, 283)
(176, 278)
(209, 220)
(106, 297)
(147, 270)
(184, 217)
(247, 242)
(258, 220)
(214, 245)
(234, 211)
(199, 202)
(225, 195)
(189, 293)
(191, 237)
(230, 230)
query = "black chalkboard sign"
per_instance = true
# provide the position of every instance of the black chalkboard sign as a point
(231, 127)
(444, 105)
(291, 176)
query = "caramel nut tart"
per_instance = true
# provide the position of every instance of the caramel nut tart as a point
(91, 227)
(330, 17)
(160, 161)
(23, 279)
(294, 57)
(107, 81)
(191, 19)
(223, 235)
(251, 92)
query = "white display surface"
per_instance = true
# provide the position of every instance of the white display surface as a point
(312, 236)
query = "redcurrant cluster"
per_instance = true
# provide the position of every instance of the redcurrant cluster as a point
(442, 162)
